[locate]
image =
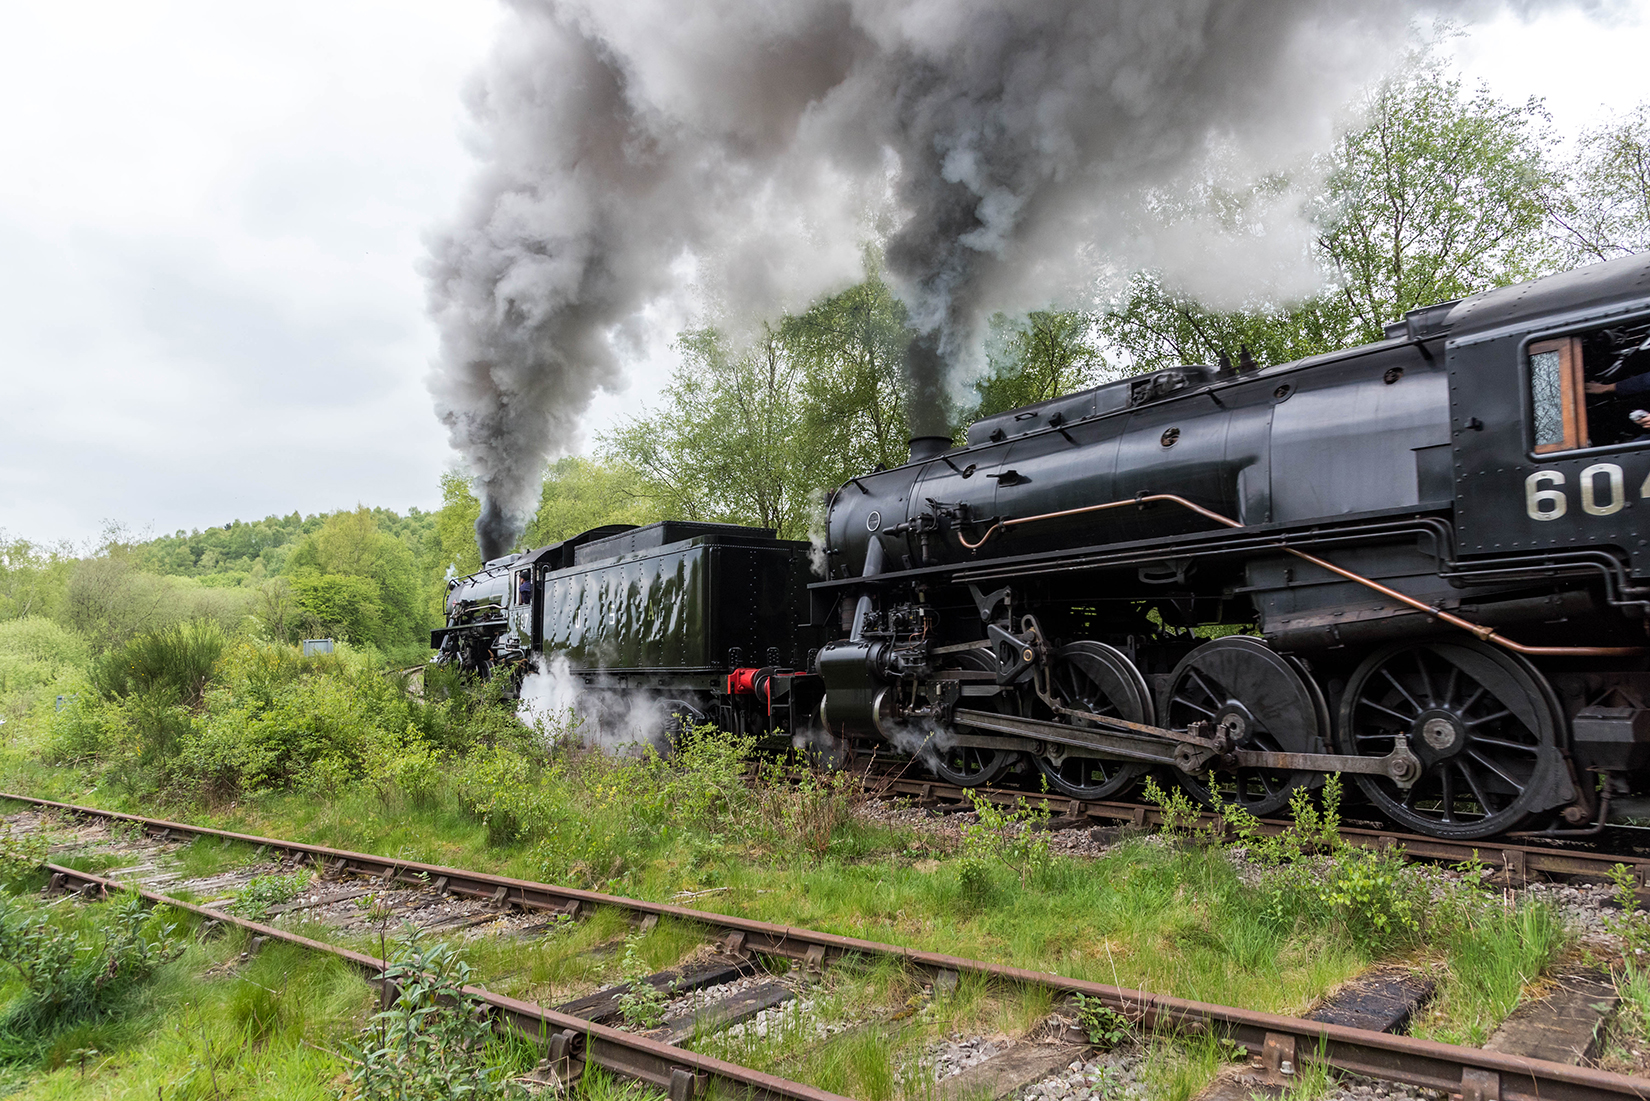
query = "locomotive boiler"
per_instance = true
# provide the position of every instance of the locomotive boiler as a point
(1417, 563)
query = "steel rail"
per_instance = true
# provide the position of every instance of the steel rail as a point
(573, 1041)
(1518, 860)
(1275, 1039)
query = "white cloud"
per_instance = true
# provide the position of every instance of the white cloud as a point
(209, 225)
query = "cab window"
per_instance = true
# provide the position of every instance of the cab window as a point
(1591, 390)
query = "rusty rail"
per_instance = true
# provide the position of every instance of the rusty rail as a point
(1274, 1039)
(574, 1041)
(1517, 861)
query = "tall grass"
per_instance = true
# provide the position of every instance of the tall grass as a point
(1493, 955)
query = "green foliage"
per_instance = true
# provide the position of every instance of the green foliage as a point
(756, 433)
(263, 891)
(32, 577)
(1375, 895)
(580, 494)
(809, 808)
(1315, 829)
(21, 855)
(1630, 924)
(1035, 358)
(1431, 195)
(707, 785)
(38, 658)
(433, 1043)
(1105, 1027)
(355, 581)
(1006, 836)
(175, 661)
(110, 600)
(500, 787)
(67, 975)
(1605, 210)
(1494, 953)
(1437, 195)
(642, 1005)
(271, 719)
(455, 526)
(1180, 814)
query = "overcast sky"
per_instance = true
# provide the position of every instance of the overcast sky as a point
(210, 215)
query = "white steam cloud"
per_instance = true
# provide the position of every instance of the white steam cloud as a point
(561, 707)
(1006, 145)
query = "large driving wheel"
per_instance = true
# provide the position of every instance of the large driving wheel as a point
(974, 766)
(1272, 703)
(1091, 676)
(1483, 723)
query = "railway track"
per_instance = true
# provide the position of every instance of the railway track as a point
(1516, 860)
(1277, 1044)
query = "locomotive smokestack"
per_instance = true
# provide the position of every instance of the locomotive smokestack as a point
(927, 447)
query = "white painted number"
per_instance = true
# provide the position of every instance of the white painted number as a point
(1603, 492)
(1589, 490)
(1544, 504)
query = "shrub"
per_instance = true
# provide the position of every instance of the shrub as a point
(499, 786)
(1631, 925)
(642, 1005)
(175, 662)
(432, 1043)
(405, 765)
(1006, 836)
(1375, 896)
(706, 785)
(21, 855)
(67, 975)
(263, 891)
(1105, 1027)
(808, 810)
(36, 652)
(1180, 814)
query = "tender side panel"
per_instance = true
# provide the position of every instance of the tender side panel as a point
(644, 613)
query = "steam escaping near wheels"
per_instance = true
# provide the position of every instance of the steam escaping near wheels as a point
(560, 706)
(1007, 152)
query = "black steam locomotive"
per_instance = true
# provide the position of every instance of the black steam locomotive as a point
(1415, 562)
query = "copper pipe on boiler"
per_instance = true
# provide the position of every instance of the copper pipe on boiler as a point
(1487, 634)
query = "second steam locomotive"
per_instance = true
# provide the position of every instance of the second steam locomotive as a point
(1416, 562)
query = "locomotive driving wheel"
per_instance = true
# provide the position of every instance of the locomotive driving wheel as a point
(1483, 723)
(973, 766)
(1091, 676)
(1272, 704)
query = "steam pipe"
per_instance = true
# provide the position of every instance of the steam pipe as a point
(1486, 634)
(873, 566)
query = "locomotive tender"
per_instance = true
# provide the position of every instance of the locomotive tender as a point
(1417, 562)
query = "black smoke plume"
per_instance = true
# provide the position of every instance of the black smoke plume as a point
(631, 147)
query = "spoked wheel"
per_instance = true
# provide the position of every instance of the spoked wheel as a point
(1092, 676)
(972, 766)
(1275, 705)
(1483, 723)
